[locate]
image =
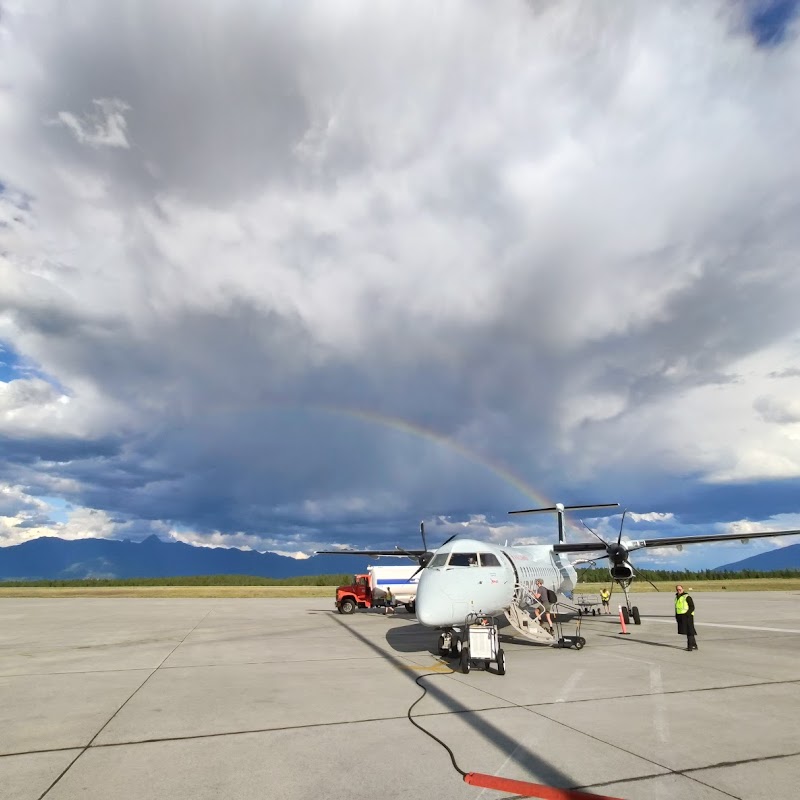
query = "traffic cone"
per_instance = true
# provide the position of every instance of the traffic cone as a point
(624, 631)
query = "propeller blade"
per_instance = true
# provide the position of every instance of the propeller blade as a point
(622, 522)
(594, 534)
(422, 531)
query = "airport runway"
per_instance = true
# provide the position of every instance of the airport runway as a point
(135, 699)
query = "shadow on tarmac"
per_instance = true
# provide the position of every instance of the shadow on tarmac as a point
(518, 753)
(645, 641)
(412, 637)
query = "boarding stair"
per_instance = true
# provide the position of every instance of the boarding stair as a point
(523, 620)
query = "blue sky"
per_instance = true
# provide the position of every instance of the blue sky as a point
(289, 277)
(770, 20)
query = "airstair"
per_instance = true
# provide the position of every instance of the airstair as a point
(523, 621)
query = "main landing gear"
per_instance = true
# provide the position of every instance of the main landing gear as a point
(629, 612)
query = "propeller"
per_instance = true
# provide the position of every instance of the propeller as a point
(616, 552)
(425, 558)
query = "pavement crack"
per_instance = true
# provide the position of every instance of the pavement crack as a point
(130, 697)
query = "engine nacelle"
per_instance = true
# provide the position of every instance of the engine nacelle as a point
(622, 571)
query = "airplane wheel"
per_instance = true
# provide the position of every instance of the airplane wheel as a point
(635, 614)
(455, 647)
(348, 606)
(443, 649)
(501, 662)
(465, 660)
(626, 616)
(411, 607)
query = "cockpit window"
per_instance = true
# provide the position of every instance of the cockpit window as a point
(463, 560)
(489, 560)
(439, 560)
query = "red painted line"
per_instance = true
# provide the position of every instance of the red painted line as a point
(526, 789)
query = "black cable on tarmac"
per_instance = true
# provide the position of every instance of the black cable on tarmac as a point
(458, 769)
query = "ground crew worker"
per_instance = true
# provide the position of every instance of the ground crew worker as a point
(684, 614)
(388, 607)
(605, 596)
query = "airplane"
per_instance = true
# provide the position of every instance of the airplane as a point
(468, 576)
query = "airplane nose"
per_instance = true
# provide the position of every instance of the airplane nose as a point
(433, 606)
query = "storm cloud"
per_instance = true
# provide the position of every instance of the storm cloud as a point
(295, 274)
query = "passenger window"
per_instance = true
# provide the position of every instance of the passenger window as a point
(489, 560)
(463, 559)
(439, 560)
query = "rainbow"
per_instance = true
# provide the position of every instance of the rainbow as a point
(428, 434)
(420, 431)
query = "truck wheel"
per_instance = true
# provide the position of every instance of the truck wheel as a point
(465, 660)
(501, 662)
(637, 620)
(347, 606)
(411, 607)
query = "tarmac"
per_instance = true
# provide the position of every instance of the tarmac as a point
(260, 698)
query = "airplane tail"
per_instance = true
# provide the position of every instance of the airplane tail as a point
(560, 508)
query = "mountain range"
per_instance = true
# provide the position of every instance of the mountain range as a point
(51, 558)
(780, 558)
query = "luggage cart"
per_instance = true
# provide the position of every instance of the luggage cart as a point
(480, 644)
(577, 641)
(588, 603)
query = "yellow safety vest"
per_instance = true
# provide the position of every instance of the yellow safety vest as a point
(682, 605)
(605, 594)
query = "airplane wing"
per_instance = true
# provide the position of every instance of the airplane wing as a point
(395, 552)
(669, 541)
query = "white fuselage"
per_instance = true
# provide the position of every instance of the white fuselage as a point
(451, 586)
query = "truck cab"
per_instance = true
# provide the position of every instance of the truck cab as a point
(358, 594)
(372, 589)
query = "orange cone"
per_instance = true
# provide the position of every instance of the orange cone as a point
(624, 631)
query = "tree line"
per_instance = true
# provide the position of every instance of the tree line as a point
(192, 580)
(592, 575)
(599, 574)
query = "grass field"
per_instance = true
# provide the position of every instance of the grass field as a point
(735, 585)
(168, 591)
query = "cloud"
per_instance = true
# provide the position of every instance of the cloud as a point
(103, 127)
(286, 276)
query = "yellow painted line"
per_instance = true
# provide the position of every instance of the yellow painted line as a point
(432, 668)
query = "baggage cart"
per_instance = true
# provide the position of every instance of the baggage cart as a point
(480, 644)
(588, 603)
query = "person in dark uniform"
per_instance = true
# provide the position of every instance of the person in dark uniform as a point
(684, 614)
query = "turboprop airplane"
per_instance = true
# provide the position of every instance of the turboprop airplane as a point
(465, 576)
